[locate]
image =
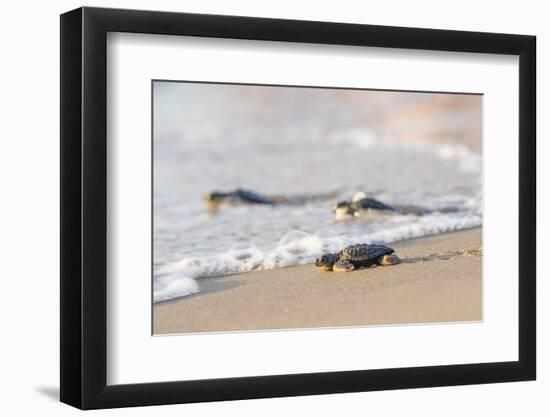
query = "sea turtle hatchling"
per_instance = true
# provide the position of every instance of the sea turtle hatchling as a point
(357, 256)
(216, 199)
(360, 205)
(239, 197)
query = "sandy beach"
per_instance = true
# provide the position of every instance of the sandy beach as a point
(439, 280)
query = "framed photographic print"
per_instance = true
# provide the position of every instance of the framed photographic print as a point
(257, 208)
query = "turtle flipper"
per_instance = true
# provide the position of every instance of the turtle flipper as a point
(387, 260)
(343, 265)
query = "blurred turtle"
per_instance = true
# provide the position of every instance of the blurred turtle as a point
(216, 199)
(357, 256)
(360, 205)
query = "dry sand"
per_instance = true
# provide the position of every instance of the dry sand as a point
(439, 280)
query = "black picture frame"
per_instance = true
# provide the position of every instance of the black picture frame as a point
(84, 207)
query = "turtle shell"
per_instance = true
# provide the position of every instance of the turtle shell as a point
(371, 203)
(365, 252)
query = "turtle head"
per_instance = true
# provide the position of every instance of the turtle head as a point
(213, 201)
(326, 261)
(342, 208)
(213, 196)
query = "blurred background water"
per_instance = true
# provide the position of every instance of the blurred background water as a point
(402, 148)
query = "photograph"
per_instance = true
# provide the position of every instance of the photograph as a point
(300, 207)
(282, 205)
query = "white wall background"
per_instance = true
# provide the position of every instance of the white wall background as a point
(29, 226)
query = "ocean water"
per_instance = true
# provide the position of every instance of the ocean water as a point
(203, 144)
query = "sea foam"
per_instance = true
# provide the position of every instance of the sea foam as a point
(177, 279)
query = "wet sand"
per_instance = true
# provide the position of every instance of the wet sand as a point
(439, 280)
